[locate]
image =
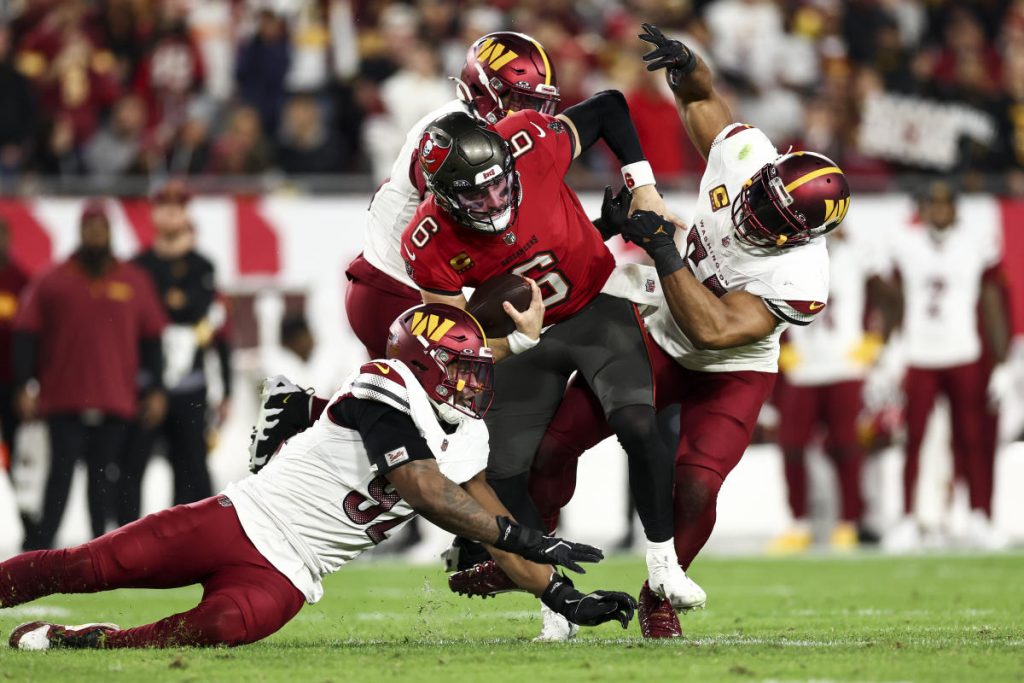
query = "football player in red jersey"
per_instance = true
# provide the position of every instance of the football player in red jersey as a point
(499, 204)
(753, 262)
(378, 452)
(504, 71)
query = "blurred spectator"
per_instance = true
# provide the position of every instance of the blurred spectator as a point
(241, 148)
(948, 272)
(60, 154)
(86, 371)
(185, 283)
(307, 145)
(17, 112)
(661, 131)
(12, 280)
(116, 148)
(260, 69)
(189, 152)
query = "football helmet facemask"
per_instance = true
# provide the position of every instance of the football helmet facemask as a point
(471, 172)
(791, 201)
(505, 72)
(446, 349)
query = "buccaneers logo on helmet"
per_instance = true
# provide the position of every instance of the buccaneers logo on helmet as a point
(433, 152)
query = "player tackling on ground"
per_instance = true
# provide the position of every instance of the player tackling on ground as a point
(753, 262)
(399, 438)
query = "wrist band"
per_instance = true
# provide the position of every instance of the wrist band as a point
(519, 342)
(637, 174)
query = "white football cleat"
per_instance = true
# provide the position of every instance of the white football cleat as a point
(981, 534)
(668, 580)
(554, 627)
(905, 537)
(42, 635)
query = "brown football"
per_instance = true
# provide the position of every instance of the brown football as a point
(485, 304)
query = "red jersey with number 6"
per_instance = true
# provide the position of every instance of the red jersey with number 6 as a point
(552, 241)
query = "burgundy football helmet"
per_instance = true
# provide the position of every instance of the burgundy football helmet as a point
(791, 200)
(505, 72)
(446, 349)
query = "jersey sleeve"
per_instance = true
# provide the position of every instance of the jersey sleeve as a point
(547, 138)
(389, 436)
(796, 290)
(422, 251)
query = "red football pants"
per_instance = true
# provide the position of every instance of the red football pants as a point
(372, 302)
(973, 427)
(244, 600)
(835, 407)
(718, 413)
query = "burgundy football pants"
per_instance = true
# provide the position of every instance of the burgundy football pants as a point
(835, 407)
(717, 417)
(372, 302)
(244, 599)
(973, 427)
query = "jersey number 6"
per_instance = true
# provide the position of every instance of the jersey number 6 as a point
(554, 288)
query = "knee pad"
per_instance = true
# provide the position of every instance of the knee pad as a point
(218, 621)
(696, 491)
(635, 426)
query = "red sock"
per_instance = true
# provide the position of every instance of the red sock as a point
(796, 482)
(695, 504)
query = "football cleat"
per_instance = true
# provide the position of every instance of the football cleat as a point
(283, 413)
(657, 618)
(668, 580)
(844, 537)
(554, 627)
(486, 579)
(42, 635)
(904, 537)
(795, 540)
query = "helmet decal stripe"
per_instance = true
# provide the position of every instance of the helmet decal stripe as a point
(544, 56)
(480, 327)
(811, 176)
(491, 52)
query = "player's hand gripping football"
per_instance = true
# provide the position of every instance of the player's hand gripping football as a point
(590, 609)
(531, 321)
(655, 234)
(536, 547)
(671, 55)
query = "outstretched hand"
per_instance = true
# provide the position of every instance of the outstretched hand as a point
(676, 58)
(532, 545)
(589, 609)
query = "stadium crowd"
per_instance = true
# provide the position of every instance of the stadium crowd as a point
(110, 88)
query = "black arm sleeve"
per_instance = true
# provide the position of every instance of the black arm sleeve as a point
(606, 116)
(23, 355)
(151, 364)
(390, 437)
(223, 347)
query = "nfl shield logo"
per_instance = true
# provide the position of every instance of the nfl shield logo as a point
(725, 241)
(649, 286)
(509, 238)
(444, 445)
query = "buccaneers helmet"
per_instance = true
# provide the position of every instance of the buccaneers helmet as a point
(471, 172)
(446, 349)
(505, 72)
(791, 200)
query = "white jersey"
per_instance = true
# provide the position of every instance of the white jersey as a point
(942, 275)
(320, 503)
(395, 202)
(832, 349)
(793, 282)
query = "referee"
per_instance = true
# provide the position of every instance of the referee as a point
(184, 280)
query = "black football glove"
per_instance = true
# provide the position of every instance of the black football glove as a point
(614, 212)
(591, 609)
(536, 547)
(676, 58)
(653, 232)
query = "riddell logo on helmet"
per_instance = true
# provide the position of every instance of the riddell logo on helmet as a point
(433, 153)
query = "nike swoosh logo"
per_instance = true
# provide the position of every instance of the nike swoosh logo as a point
(815, 305)
(540, 131)
(384, 369)
(285, 399)
(412, 256)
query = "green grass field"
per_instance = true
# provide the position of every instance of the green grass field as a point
(861, 619)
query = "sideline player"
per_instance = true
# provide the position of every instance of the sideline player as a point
(499, 203)
(752, 263)
(824, 366)
(504, 71)
(396, 440)
(948, 270)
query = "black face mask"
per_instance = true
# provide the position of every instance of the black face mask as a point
(93, 259)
